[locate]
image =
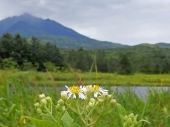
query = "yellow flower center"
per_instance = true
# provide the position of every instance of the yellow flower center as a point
(96, 88)
(75, 89)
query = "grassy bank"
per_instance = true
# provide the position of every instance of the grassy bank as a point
(104, 79)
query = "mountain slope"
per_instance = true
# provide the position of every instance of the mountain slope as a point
(163, 45)
(66, 42)
(51, 31)
(25, 29)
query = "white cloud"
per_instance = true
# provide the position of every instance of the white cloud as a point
(122, 21)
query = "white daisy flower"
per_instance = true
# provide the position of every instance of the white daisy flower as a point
(75, 90)
(97, 90)
(86, 89)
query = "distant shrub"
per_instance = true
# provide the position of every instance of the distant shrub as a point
(8, 63)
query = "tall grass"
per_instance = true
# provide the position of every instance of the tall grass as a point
(19, 92)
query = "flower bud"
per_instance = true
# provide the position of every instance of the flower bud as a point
(58, 106)
(63, 108)
(91, 104)
(125, 124)
(37, 105)
(92, 100)
(113, 101)
(61, 102)
(39, 111)
(48, 99)
(129, 121)
(131, 116)
(63, 95)
(43, 102)
(42, 96)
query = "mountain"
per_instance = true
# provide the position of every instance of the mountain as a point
(163, 45)
(50, 31)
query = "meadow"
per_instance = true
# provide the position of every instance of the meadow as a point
(19, 91)
(86, 78)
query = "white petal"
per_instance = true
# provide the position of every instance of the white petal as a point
(74, 96)
(82, 96)
(69, 94)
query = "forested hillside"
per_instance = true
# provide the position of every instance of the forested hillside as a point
(136, 59)
(32, 54)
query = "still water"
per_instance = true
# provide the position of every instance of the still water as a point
(141, 91)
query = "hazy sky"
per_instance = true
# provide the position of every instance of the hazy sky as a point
(122, 21)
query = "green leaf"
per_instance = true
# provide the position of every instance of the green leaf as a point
(12, 110)
(42, 123)
(121, 110)
(102, 123)
(75, 125)
(67, 120)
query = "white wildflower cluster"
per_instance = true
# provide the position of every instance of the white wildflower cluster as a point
(90, 103)
(83, 91)
(44, 104)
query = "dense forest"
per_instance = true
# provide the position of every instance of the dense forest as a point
(32, 54)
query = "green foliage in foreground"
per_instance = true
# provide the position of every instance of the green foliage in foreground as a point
(90, 111)
(17, 98)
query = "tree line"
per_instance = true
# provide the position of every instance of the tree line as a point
(24, 54)
(28, 54)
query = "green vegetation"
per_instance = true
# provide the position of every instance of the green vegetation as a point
(19, 91)
(31, 54)
(104, 79)
(23, 54)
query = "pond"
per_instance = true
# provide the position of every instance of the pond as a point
(141, 91)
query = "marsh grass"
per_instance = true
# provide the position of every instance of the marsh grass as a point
(19, 91)
(104, 79)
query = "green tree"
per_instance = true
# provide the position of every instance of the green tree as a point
(20, 50)
(146, 66)
(71, 58)
(101, 61)
(165, 66)
(124, 65)
(53, 55)
(6, 45)
(83, 60)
